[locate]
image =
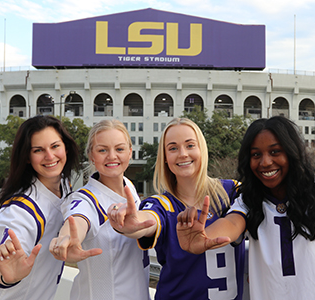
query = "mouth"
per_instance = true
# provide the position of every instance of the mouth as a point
(270, 174)
(112, 165)
(51, 165)
(185, 163)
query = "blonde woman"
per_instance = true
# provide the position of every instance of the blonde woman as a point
(120, 270)
(181, 181)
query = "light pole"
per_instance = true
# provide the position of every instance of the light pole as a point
(60, 103)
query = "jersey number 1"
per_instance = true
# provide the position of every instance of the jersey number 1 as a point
(287, 258)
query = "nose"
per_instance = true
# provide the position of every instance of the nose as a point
(112, 154)
(182, 151)
(49, 154)
(266, 160)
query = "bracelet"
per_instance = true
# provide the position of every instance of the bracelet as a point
(118, 231)
(9, 284)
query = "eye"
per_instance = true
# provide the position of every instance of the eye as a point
(37, 150)
(255, 154)
(172, 148)
(275, 151)
(120, 149)
(102, 150)
(189, 146)
(55, 146)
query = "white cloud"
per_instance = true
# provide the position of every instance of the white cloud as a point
(13, 57)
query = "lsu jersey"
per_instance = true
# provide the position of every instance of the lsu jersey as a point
(279, 268)
(35, 217)
(121, 272)
(215, 274)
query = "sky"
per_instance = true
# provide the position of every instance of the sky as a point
(290, 25)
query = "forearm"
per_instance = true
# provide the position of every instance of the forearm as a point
(232, 226)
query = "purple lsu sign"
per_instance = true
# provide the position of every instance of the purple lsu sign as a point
(148, 38)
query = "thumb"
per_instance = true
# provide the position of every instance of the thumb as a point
(33, 255)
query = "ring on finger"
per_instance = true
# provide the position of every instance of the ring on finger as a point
(115, 207)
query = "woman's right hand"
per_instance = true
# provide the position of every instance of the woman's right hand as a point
(67, 246)
(126, 219)
(14, 263)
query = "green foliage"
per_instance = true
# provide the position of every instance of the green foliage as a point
(149, 153)
(223, 134)
(7, 135)
(9, 130)
(79, 131)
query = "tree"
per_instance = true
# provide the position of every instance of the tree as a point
(7, 135)
(149, 153)
(79, 131)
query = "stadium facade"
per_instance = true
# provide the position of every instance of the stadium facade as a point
(146, 67)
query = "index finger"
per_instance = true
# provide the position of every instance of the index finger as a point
(14, 240)
(204, 212)
(73, 228)
(131, 205)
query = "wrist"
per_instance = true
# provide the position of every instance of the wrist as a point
(8, 284)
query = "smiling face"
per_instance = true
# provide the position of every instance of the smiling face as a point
(111, 154)
(182, 151)
(269, 162)
(48, 155)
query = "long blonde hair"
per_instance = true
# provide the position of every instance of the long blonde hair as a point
(165, 180)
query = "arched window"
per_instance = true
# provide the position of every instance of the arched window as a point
(133, 105)
(18, 106)
(224, 103)
(191, 101)
(252, 107)
(103, 105)
(163, 106)
(280, 107)
(73, 105)
(306, 110)
(45, 105)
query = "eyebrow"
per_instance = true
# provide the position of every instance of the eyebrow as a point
(273, 145)
(50, 144)
(186, 141)
(101, 145)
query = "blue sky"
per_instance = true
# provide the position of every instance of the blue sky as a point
(17, 17)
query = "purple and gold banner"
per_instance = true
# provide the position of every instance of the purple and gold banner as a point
(149, 38)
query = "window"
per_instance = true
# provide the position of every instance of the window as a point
(155, 126)
(133, 154)
(126, 125)
(163, 125)
(140, 140)
(140, 154)
(306, 129)
(133, 126)
(155, 140)
(141, 126)
(133, 140)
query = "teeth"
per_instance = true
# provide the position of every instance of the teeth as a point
(51, 165)
(185, 163)
(269, 174)
(112, 165)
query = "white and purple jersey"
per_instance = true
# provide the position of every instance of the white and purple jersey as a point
(279, 268)
(121, 272)
(215, 274)
(35, 217)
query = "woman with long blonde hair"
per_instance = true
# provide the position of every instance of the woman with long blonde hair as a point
(181, 181)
